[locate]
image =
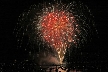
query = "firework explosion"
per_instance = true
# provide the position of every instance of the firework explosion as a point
(57, 29)
(55, 26)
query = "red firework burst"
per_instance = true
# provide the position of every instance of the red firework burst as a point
(57, 28)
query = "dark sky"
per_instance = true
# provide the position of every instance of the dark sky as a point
(11, 9)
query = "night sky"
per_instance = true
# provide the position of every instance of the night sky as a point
(96, 51)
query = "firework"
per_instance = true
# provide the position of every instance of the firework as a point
(55, 25)
(57, 29)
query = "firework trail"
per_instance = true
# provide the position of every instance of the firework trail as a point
(55, 26)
